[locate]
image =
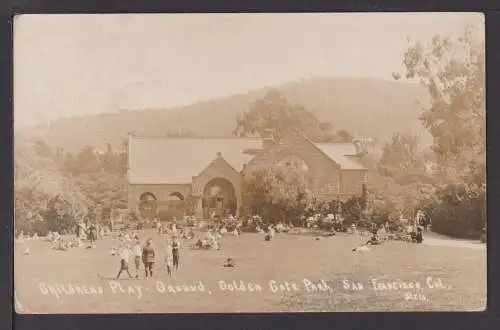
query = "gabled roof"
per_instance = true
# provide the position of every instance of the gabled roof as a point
(342, 154)
(156, 160)
(159, 160)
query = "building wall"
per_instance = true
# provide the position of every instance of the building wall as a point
(323, 173)
(160, 191)
(352, 182)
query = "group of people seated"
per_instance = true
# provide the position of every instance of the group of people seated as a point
(211, 240)
(187, 234)
(22, 237)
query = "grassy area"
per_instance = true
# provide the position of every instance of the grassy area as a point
(289, 259)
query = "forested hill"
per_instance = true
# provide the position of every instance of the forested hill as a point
(368, 107)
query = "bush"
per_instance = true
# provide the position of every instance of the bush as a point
(458, 210)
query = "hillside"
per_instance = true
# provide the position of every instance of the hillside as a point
(368, 107)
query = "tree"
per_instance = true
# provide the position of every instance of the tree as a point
(345, 136)
(453, 72)
(278, 193)
(87, 161)
(402, 160)
(273, 114)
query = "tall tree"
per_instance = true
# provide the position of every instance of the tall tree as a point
(453, 71)
(273, 114)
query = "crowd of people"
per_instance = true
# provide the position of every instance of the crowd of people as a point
(129, 247)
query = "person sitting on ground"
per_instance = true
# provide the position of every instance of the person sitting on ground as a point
(373, 240)
(361, 248)
(418, 237)
(199, 244)
(270, 235)
(229, 262)
(63, 245)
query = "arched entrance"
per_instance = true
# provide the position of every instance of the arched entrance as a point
(148, 206)
(176, 196)
(219, 198)
(173, 207)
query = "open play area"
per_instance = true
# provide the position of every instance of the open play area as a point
(293, 272)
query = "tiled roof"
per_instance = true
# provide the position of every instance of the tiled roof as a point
(176, 160)
(342, 154)
(156, 160)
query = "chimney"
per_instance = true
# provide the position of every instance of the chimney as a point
(219, 154)
(359, 148)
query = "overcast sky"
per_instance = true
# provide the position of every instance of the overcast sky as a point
(67, 65)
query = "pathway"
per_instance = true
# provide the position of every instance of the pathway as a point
(435, 239)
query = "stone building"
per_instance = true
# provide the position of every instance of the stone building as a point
(204, 176)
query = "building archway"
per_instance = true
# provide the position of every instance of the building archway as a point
(219, 198)
(172, 207)
(176, 196)
(148, 205)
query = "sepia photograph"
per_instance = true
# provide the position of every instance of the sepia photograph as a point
(249, 163)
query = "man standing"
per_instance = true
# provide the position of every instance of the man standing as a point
(148, 258)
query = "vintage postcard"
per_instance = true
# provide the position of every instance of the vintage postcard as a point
(227, 163)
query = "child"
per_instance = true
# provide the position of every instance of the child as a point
(124, 258)
(169, 259)
(137, 252)
(148, 258)
(158, 225)
(229, 263)
(176, 246)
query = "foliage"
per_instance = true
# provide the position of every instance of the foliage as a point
(274, 115)
(353, 210)
(277, 193)
(53, 189)
(401, 159)
(453, 72)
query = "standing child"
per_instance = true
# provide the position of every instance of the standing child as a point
(158, 225)
(176, 245)
(169, 259)
(124, 258)
(148, 258)
(137, 252)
